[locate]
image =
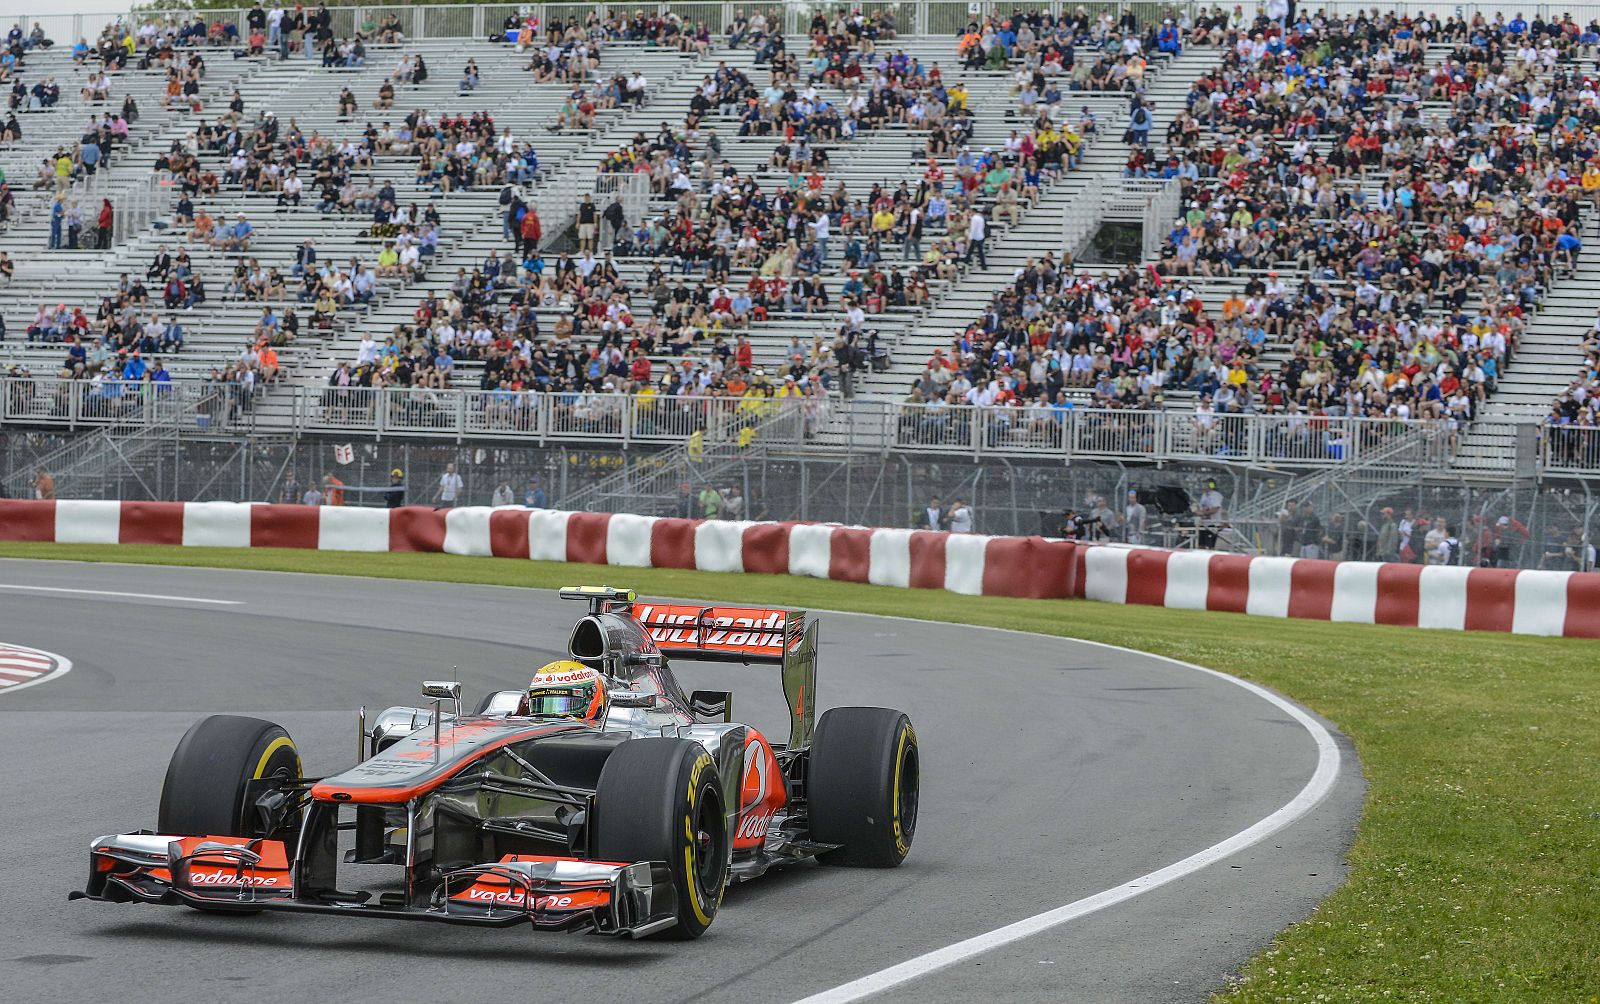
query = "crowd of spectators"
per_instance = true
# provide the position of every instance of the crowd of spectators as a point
(1572, 428)
(1383, 256)
(726, 249)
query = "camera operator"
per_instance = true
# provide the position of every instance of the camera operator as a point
(1075, 526)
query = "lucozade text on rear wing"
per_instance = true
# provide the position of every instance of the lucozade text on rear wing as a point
(751, 635)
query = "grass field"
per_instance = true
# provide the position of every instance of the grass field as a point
(1476, 869)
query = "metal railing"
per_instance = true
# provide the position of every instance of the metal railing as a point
(1151, 202)
(1080, 217)
(558, 201)
(912, 17)
(1274, 440)
(1570, 450)
(533, 416)
(706, 425)
(460, 21)
(123, 406)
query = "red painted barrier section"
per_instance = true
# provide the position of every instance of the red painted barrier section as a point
(1399, 595)
(152, 523)
(1228, 581)
(1147, 577)
(1311, 589)
(927, 559)
(586, 537)
(416, 528)
(28, 519)
(1491, 599)
(285, 526)
(508, 533)
(1028, 567)
(766, 548)
(850, 554)
(672, 543)
(1583, 606)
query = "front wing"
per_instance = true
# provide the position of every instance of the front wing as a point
(244, 875)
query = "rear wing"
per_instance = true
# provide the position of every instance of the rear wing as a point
(759, 635)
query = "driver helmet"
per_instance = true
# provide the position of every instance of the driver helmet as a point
(566, 689)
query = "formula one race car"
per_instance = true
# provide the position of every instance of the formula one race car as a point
(602, 799)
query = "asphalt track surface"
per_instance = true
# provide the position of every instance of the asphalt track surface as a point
(1052, 770)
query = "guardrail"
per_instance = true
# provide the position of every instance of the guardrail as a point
(859, 425)
(530, 416)
(1278, 440)
(1570, 450)
(124, 405)
(912, 17)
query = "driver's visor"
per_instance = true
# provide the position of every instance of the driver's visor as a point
(559, 702)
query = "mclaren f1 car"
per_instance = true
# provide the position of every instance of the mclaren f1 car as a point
(630, 825)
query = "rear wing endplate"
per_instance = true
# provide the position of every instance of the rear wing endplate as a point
(759, 635)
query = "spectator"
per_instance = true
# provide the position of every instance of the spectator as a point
(960, 519)
(1134, 517)
(394, 496)
(930, 516)
(449, 489)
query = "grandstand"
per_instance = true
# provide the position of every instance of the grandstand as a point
(1300, 303)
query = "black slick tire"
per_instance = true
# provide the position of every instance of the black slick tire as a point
(862, 785)
(205, 787)
(661, 800)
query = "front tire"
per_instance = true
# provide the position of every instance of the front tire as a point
(661, 800)
(862, 786)
(204, 794)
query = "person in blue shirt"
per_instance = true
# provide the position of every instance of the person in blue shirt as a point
(58, 212)
(1567, 247)
(535, 497)
(172, 336)
(135, 368)
(1168, 39)
(1517, 25)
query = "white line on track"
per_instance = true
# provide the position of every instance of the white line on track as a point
(63, 666)
(1308, 798)
(137, 596)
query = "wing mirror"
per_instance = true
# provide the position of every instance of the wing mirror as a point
(632, 699)
(442, 690)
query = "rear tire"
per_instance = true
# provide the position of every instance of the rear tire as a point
(862, 786)
(204, 792)
(661, 800)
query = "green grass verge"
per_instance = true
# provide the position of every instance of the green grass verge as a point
(1476, 868)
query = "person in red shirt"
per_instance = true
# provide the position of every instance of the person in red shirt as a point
(531, 230)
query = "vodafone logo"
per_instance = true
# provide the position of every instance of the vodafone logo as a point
(753, 826)
(516, 897)
(229, 878)
(570, 676)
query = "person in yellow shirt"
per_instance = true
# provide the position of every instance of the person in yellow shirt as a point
(956, 98)
(882, 220)
(1071, 143)
(63, 171)
(1591, 180)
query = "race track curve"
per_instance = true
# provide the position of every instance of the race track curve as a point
(1052, 770)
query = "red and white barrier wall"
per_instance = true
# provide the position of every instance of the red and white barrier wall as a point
(1482, 599)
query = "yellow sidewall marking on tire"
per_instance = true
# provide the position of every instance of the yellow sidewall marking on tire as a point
(907, 737)
(277, 744)
(700, 911)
